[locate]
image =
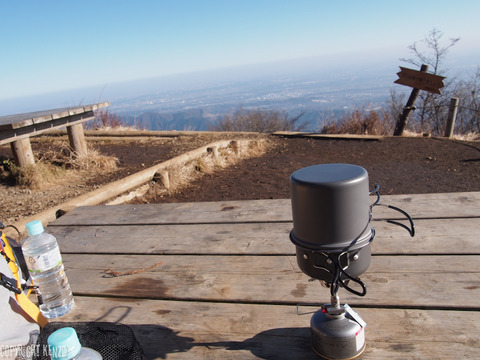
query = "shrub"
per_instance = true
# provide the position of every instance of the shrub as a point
(262, 121)
(359, 123)
(104, 119)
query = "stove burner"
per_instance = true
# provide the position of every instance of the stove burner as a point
(332, 234)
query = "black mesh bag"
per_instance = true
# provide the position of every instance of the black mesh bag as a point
(112, 340)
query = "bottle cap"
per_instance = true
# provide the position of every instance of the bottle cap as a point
(34, 227)
(64, 344)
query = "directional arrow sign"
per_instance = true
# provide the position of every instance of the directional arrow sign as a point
(420, 80)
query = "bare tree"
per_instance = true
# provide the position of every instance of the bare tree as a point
(394, 109)
(432, 109)
(433, 52)
(468, 116)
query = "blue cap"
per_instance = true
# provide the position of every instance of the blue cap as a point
(64, 344)
(34, 227)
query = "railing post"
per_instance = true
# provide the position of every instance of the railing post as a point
(452, 115)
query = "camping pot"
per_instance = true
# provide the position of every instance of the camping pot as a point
(331, 219)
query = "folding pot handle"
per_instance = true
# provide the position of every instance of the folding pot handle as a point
(411, 229)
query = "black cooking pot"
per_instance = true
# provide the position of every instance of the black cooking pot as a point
(331, 220)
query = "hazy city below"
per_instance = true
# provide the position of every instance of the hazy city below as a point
(322, 90)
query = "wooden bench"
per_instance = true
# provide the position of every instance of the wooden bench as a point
(222, 280)
(17, 129)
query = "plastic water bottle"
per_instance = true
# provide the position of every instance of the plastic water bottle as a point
(63, 344)
(45, 266)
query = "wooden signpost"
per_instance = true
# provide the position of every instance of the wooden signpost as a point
(418, 80)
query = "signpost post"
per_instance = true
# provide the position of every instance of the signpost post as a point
(418, 80)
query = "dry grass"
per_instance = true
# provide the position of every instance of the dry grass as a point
(61, 155)
(93, 161)
(460, 137)
(410, 133)
(38, 176)
(467, 137)
(54, 165)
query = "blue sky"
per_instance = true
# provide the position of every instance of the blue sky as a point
(57, 45)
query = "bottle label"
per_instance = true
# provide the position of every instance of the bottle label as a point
(45, 261)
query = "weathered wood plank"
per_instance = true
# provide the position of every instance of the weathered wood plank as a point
(22, 126)
(444, 236)
(452, 205)
(36, 117)
(194, 330)
(180, 213)
(436, 205)
(24, 132)
(398, 281)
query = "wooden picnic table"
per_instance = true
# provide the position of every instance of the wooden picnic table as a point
(17, 129)
(222, 280)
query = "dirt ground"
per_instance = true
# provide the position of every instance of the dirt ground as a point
(399, 165)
